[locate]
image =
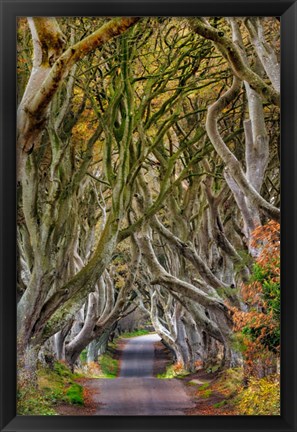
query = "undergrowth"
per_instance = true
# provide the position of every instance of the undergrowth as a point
(32, 401)
(173, 371)
(261, 397)
(106, 365)
(54, 386)
(204, 391)
(229, 382)
(109, 366)
(258, 397)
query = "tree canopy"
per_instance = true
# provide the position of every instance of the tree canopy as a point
(148, 177)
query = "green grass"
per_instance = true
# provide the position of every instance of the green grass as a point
(230, 381)
(173, 372)
(74, 394)
(109, 365)
(83, 356)
(59, 384)
(204, 386)
(220, 404)
(205, 394)
(54, 386)
(192, 384)
(31, 401)
(139, 332)
(204, 391)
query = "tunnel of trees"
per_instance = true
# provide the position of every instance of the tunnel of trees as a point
(148, 178)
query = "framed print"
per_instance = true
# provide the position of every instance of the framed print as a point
(148, 215)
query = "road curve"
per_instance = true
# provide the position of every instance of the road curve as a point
(136, 392)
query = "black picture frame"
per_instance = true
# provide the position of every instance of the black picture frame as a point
(287, 11)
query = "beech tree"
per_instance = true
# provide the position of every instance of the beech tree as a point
(156, 135)
(48, 225)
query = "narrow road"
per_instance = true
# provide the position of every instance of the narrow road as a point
(136, 391)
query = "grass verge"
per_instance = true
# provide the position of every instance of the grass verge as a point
(173, 371)
(54, 386)
(139, 332)
(109, 365)
(106, 366)
(227, 395)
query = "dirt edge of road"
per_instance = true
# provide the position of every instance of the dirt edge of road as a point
(208, 406)
(90, 389)
(162, 359)
(213, 403)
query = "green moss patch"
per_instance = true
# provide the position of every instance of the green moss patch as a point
(74, 394)
(54, 386)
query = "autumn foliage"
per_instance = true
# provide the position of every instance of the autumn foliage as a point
(258, 326)
(262, 397)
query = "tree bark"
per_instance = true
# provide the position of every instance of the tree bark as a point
(230, 51)
(232, 165)
(50, 68)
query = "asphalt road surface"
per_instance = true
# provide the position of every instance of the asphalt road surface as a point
(135, 391)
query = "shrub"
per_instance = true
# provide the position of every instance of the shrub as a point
(262, 397)
(257, 329)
